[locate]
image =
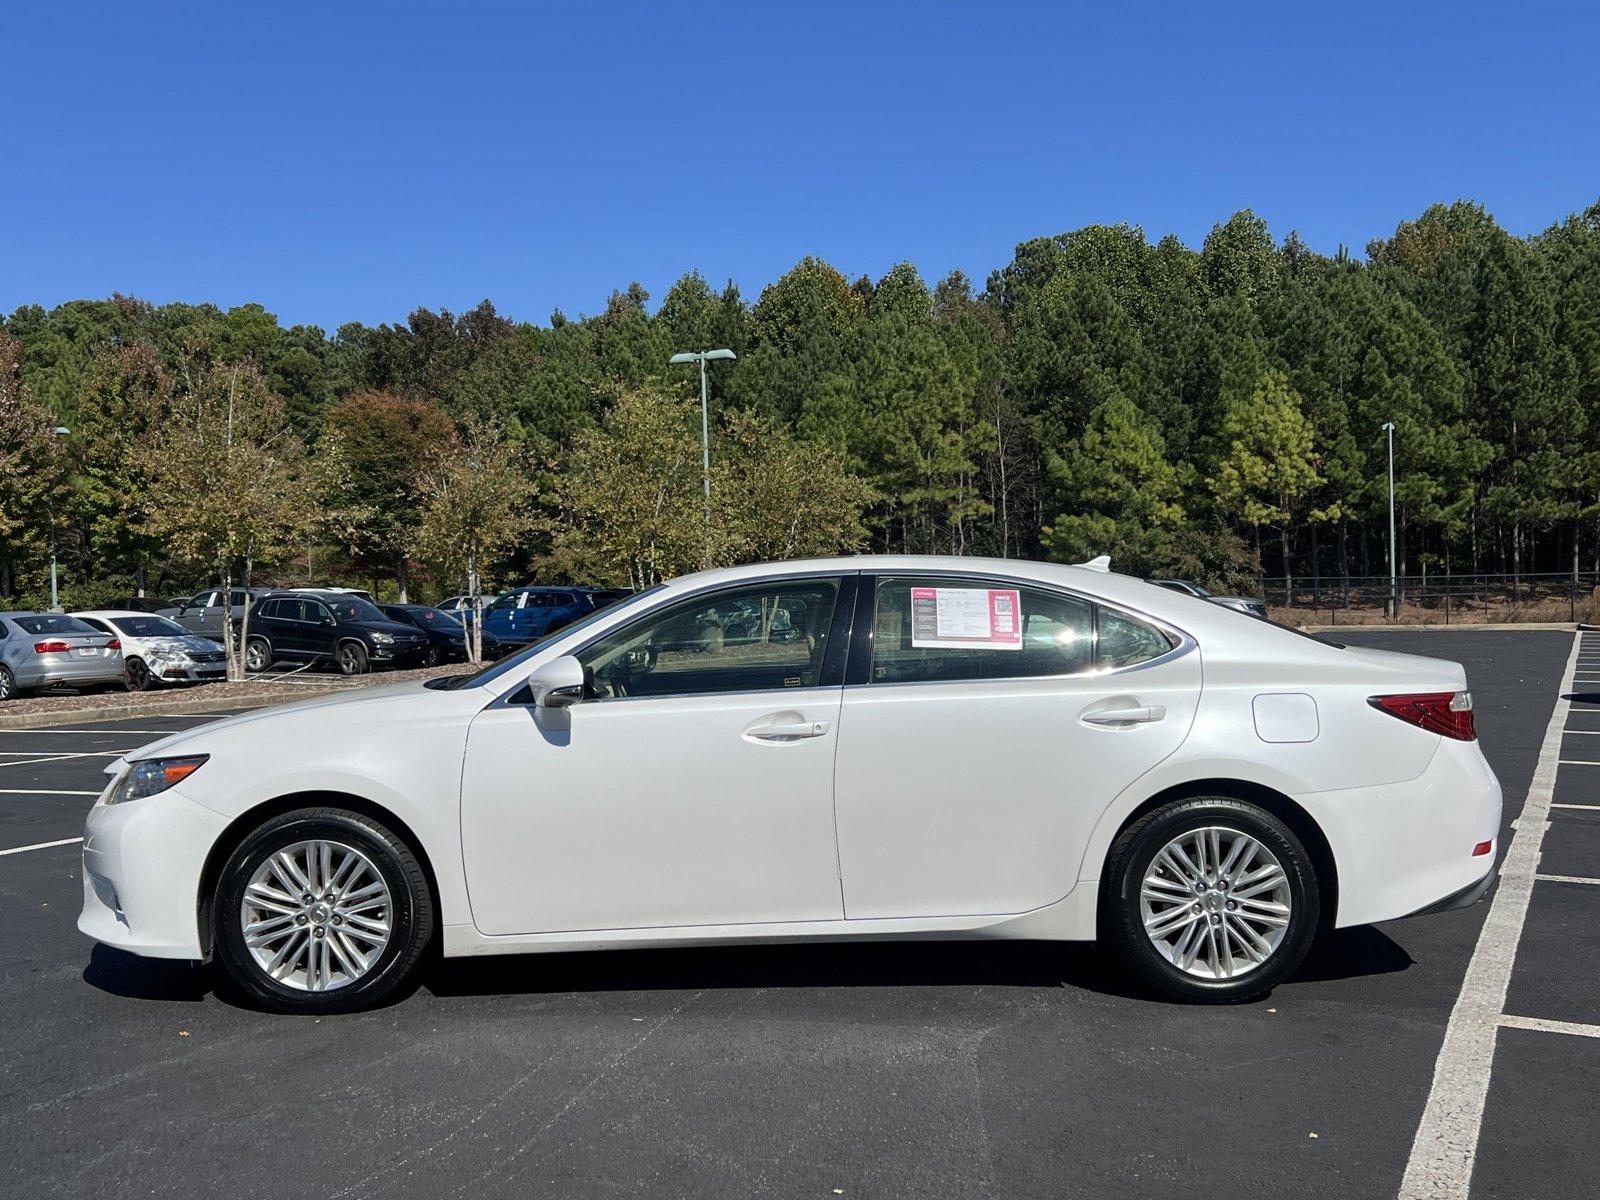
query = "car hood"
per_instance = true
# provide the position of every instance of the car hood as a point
(189, 645)
(201, 739)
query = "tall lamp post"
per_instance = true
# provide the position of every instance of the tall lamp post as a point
(55, 599)
(1394, 593)
(703, 357)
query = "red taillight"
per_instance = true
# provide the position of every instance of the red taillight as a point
(50, 647)
(1445, 713)
(1482, 848)
(114, 644)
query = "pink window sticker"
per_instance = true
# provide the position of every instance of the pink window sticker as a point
(966, 618)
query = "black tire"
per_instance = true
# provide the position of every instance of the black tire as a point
(8, 684)
(411, 917)
(1122, 921)
(258, 655)
(352, 659)
(136, 675)
(434, 657)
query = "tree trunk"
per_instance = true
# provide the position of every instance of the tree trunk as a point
(1288, 578)
(402, 579)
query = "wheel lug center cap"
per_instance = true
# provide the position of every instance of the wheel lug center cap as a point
(320, 913)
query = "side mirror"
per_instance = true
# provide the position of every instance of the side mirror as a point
(558, 684)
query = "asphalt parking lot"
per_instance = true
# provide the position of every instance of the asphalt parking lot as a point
(929, 1069)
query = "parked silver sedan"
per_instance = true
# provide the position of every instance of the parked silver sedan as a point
(43, 650)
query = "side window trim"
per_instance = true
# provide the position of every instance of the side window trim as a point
(859, 670)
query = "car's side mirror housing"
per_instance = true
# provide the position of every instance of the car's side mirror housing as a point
(559, 683)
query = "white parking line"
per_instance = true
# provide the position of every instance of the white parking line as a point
(60, 754)
(1446, 1145)
(41, 846)
(1567, 879)
(34, 762)
(1585, 807)
(1544, 1026)
(1579, 762)
(88, 732)
(42, 792)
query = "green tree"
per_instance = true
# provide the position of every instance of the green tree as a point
(1269, 467)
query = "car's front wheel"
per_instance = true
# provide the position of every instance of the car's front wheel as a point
(352, 658)
(1210, 899)
(137, 676)
(322, 910)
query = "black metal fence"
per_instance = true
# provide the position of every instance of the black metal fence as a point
(1442, 597)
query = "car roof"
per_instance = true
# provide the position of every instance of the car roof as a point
(113, 612)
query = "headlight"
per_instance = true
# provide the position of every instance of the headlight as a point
(383, 639)
(152, 776)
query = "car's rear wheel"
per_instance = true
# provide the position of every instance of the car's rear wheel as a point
(434, 656)
(352, 658)
(8, 683)
(1210, 899)
(322, 910)
(136, 675)
(257, 655)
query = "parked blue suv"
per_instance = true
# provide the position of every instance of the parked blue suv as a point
(523, 616)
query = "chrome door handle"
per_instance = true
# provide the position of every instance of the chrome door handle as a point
(1139, 714)
(788, 731)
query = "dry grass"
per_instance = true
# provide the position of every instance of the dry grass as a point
(1549, 610)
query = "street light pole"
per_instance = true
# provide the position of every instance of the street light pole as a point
(55, 598)
(1394, 592)
(702, 357)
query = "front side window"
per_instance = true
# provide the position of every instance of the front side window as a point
(767, 637)
(950, 629)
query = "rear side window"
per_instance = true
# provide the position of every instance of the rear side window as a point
(1126, 641)
(936, 629)
(949, 629)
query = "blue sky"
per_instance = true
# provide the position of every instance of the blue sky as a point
(351, 162)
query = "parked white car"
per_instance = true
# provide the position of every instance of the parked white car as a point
(156, 649)
(874, 748)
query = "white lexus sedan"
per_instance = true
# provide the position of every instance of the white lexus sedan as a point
(843, 748)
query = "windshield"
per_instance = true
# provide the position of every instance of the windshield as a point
(349, 608)
(53, 623)
(496, 669)
(149, 627)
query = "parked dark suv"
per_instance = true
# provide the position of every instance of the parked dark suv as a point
(336, 627)
(447, 636)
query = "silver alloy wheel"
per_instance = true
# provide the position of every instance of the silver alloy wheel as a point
(255, 655)
(1215, 902)
(316, 915)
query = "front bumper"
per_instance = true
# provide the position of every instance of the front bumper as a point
(190, 672)
(142, 863)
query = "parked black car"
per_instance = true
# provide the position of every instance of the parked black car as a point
(351, 633)
(447, 636)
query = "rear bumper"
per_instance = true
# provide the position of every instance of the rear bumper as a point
(1406, 848)
(1465, 898)
(60, 670)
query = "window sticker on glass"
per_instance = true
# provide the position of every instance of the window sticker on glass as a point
(966, 618)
